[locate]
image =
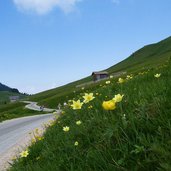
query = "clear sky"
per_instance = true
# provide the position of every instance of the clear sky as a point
(48, 43)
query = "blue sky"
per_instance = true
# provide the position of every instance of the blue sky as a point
(48, 43)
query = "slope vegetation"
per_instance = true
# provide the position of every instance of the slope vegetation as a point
(133, 136)
(149, 56)
(146, 58)
(6, 92)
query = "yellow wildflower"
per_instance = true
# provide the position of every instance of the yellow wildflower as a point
(88, 97)
(40, 138)
(129, 77)
(76, 105)
(63, 112)
(33, 140)
(90, 107)
(111, 76)
(76, 143)
(66, 128)
(55, 113)
(38, 158)
(157, 75)
(107, 82)
(120, 80)
(109, 105)
(24, 153)
(78, 122)
(118, 98)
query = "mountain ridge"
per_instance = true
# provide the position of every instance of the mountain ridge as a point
(3, 87)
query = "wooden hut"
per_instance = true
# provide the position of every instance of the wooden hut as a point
(100, 75)
(14, 98)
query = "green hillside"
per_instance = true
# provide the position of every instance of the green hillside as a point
(122, 126)
(6, 92)
(147, 57)
(4, 96)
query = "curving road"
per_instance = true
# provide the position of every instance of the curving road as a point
(15, 134)
(34, 106)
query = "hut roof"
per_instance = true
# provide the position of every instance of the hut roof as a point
(99, 72)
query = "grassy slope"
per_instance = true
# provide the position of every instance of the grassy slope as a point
(147, 57)
(108, 141)
(51, 98)
(4, 96)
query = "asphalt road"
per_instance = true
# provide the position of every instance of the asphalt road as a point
(34, 106)
(12, 131)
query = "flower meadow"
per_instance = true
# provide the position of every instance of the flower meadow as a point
(123, 124)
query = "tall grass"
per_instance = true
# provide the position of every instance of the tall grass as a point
(136, 136)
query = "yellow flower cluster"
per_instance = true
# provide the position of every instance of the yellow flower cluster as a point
(121, 80)
(129, 77)
(107, 82)
(86, 98)
(111, 104)
(78, 104)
